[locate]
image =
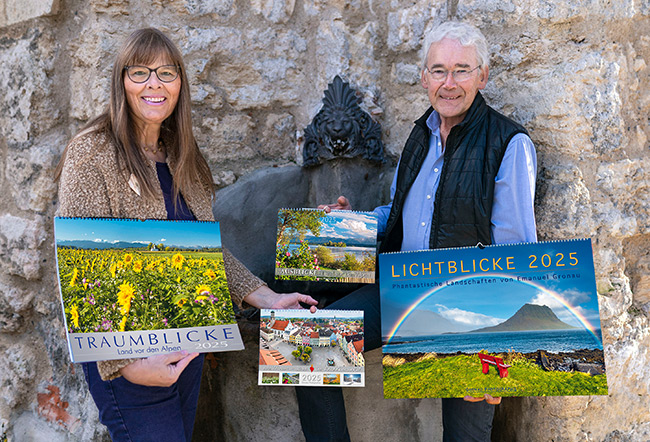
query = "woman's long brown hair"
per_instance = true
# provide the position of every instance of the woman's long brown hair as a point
(143, 47)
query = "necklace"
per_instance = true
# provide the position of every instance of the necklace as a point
(154, 149)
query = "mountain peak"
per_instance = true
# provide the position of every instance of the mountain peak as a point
(530, 317)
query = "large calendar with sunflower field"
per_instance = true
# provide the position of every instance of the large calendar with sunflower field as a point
(132, 288)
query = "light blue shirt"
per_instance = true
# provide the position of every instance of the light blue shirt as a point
(513, 216)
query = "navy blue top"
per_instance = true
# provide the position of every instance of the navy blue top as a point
(182, 212)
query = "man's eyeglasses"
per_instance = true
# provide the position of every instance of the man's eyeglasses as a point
(140, 74)
(440, 74)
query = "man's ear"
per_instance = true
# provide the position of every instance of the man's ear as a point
(423, 79)
(483, 77)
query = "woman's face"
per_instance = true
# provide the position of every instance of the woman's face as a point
(152, 101)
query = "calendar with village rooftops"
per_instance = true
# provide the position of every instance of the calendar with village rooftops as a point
(301, 348)
(132, 288)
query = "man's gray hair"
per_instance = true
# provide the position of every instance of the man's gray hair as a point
(465, 34)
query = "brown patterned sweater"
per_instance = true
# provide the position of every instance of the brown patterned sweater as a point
(92, 185)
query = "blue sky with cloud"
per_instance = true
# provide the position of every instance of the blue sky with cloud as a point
(487, 304)
(361, 227)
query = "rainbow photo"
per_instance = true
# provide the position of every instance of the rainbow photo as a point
(505, 320)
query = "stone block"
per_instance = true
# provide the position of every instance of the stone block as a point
(365, 67)
(259, 75)
(30, 426)
(223, 9)
(21, 76)
(567, 213)
(636, 252)
(407, 73)
(16, 11)
(17, 370)
(625, 184)
(275, 11)
(14, 303)
(30, 171)
(227, 137)
(278, 139)
(218, 41)
(332, 52)
(19, 242)
(331, 8)
(406, 26)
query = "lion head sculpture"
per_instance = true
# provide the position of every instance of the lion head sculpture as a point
(341, 129)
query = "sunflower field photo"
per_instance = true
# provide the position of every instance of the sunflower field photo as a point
(165, 275)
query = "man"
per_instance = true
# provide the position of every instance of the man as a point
(466, 175)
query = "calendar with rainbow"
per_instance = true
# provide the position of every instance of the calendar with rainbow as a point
(502, 320)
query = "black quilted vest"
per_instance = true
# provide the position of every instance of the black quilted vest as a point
(472, 157)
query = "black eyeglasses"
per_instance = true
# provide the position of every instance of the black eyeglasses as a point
(140, 74)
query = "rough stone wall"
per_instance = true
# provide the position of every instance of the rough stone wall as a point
(574, 72)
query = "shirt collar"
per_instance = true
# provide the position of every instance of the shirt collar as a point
(433, 123)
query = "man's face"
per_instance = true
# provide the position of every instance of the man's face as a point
(449, 97)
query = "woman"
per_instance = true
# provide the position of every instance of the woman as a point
(140, 160)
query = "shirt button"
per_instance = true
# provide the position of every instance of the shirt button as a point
(428, 197)
(435, 170)
(423, 224)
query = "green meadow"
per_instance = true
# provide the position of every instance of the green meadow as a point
(458, 376)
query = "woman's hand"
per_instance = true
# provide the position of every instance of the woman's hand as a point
(487, 398)
(264, 297)
(158, 370)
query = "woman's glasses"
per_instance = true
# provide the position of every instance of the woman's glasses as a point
(140, 74)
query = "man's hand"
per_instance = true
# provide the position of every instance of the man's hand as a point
(342, 203)
(489, 399)
(158, 370)
(264, 297)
